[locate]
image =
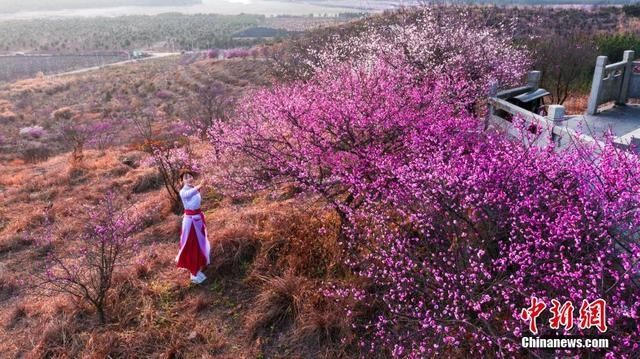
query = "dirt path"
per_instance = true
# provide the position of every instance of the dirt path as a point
(154, 56)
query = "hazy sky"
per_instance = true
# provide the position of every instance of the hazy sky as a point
(53, 8)
(34, 5)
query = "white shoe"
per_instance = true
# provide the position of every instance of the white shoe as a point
(199, 278)
(202, 276)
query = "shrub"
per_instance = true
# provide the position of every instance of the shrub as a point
(75, 136)
(436, 40)
(212, 102)
(236, 53)
(34, 152)
(255, 52)
(101, 135)
(33, 132)
(104, 245)
(614, 45)
(303, 139)
(64, 113)
(476, 232)
(213, 53)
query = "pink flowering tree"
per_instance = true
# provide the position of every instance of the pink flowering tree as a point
(467, 233)
(334, 126)
(104, 245)
(444, 40)
(453, 227)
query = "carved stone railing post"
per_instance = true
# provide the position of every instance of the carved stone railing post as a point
(493, 91)
(628, 72)
(596, 85)
(533, 79)
(556, 114)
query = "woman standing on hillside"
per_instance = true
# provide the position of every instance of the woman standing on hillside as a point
(194, 245)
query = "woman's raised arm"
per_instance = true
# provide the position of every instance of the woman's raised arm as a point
(200, 185)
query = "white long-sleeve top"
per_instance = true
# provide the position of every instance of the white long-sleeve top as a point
(191, 198)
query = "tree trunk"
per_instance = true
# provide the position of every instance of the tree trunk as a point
(102, 315)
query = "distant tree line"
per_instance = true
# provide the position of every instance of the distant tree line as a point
(167, 31)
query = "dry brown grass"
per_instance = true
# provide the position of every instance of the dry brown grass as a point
(153, 310)
(14, 243)
(270, 253)
(16, 316)
(150, 180)
(302, 240)
(262, 255)
(283, 247)
(232, 247)
(277, 304)
(576, 104)
(8, 287)
(200, 303)
(322, 327)
(38, 85)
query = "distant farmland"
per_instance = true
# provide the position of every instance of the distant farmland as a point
(16, 67)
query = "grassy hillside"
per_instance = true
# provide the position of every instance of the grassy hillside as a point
(260, 265)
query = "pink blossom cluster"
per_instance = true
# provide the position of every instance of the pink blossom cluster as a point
(434, 40)
(237, 53)
(454, 227)
(213, 53)
(33, 132)
(463, 235)
(164, 94)
(173, 159)
(101, 134)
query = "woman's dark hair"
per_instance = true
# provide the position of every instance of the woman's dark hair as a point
(186, 171)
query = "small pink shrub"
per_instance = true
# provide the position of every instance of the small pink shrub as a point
(33, 132)
(236, 53)
(213, 53)
(102, 248)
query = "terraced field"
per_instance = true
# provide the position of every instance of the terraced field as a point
(19, 67)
